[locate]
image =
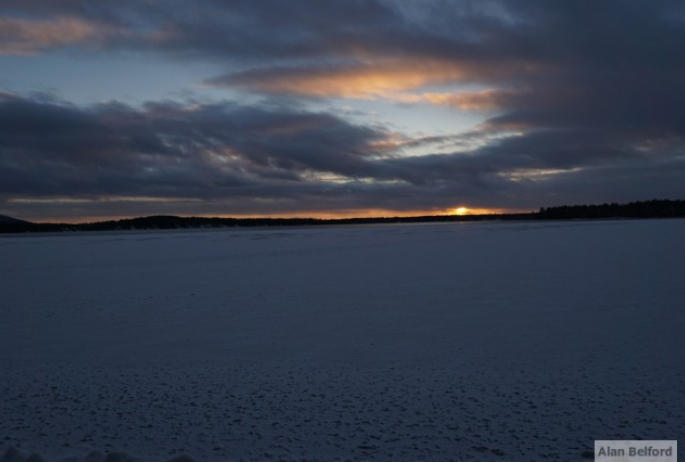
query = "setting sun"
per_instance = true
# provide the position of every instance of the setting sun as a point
(461, 211)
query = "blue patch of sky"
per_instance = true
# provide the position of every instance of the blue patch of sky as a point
(126, 77)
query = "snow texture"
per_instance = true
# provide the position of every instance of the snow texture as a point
(459, 341)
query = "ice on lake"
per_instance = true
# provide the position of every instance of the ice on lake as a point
(454, 341)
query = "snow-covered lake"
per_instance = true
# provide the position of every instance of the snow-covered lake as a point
(460, 341)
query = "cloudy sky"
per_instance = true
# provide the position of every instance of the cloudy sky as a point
(337, 108)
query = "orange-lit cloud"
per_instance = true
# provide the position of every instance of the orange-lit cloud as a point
(23, 37)
(399, 80)
(369, 79)
(359, 81)
(483, 100)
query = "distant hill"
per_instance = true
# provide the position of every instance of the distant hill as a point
(174, 222)
(4, 219)
(647, 209)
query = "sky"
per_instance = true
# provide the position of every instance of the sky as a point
(334, 108)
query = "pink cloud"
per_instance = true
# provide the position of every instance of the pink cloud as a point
(25, 37)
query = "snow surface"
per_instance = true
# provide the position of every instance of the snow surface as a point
(460, 341)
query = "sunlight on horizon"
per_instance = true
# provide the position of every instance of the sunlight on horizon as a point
(321, 215)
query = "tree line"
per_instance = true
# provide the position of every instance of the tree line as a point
(646, 209)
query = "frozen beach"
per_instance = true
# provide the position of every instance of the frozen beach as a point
(456, 341)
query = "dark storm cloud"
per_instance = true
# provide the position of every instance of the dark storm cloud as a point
(50, 148)
(529, 33)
